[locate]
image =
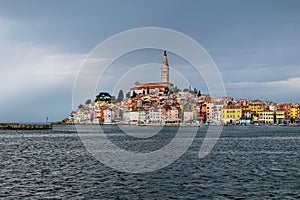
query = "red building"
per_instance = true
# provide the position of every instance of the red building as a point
(286, 107)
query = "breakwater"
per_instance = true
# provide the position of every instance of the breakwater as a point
(17, 126)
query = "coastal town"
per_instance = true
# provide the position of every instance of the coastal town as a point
(162, 103)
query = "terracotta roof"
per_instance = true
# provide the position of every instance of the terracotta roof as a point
(150, 87)
(152, 83)
(232, 107)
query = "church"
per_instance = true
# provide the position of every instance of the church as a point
(155, 87)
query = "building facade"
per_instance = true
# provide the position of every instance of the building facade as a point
(266, 116)
(231, 114)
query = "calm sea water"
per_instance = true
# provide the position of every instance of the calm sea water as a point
(247, 163)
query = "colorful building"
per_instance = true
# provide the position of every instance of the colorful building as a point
(209, 111)
(108, 116)
(188, 117)
(266, 117)
(255, 106)
(293, 112)
(231, 114)
(218, 112)
(172, 115)
(142, 116)
(246, 112)
(286, 108)
(280, 116)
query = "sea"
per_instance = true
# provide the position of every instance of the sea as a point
(247, 162)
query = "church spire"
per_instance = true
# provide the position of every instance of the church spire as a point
(165, 69)
(165, 61)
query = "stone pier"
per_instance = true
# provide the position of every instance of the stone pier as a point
(17, 126)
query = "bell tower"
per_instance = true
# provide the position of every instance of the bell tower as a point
(165, 69)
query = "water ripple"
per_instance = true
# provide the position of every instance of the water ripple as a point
(246, 163)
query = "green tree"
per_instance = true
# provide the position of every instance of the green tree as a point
(176, 89)
(120, 96)
(80, 106)
(128, 95)
(88, 102)
(167, 90)
(133, 94)
(104, 96)
(113, 99)
(195, 90)
(199, 93)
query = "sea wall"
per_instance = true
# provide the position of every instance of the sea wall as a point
(17, 126)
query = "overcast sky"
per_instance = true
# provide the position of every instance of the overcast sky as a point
(255, 45)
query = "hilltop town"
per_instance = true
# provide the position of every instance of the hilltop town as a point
(160, 103)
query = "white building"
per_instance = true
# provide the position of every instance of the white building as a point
(272, 108)
(108, 116)
(188, 117)
(218, 112)
(126, 116)
(134, 116)
(142, 116)
(154, 116)
(266, 116)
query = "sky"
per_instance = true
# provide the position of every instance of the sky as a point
(254, 44)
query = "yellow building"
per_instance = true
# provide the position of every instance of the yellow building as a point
(254, 118)
(293, 112)
(231, 114)
(246, 108)
(255, 106)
